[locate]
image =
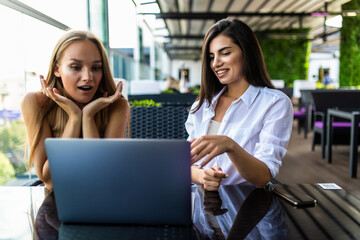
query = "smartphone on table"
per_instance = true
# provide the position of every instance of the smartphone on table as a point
(294, 196)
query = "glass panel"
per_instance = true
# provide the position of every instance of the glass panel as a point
(25, 45)
(12, 88)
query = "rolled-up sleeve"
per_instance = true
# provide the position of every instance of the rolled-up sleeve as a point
(275, 134)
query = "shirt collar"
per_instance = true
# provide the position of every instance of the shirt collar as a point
(217, 96)
(248, 97)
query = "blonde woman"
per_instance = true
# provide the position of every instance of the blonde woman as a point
(78, 99)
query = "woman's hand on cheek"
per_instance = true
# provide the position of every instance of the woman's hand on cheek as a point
(69, 106)
(95, 106)
(210, 145)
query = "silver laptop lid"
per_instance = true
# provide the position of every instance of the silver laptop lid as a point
(131, 181)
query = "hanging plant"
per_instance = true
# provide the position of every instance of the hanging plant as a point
(286, 58)
(349, 74)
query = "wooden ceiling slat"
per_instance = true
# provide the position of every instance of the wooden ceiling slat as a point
(258, 9)
(246, 5)
(258, 14)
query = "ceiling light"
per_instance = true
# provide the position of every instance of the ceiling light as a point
(163, 32)
(152, 7)
(349, 14)
(162, 40)
(334, 22)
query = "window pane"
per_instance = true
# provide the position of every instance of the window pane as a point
(25, 45)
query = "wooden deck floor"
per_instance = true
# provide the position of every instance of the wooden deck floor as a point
(301, 165)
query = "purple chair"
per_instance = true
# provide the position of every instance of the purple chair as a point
(325, 99)
(307, 102)
(300, 116)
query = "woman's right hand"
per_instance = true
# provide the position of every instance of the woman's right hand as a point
(69, 106)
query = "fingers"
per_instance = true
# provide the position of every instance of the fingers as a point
(199, 148)
(119, 87)
(50, 93)
(198, 153)
(96, 105)
(203, 146)
(117, 94)
(217, 172)
(47, 92)
(195, 142)
(212, 174)
(211, 185)
(208, 158)
(209, 146)
(212, 178)
(220, 175)
(211, 188)
(43, 84)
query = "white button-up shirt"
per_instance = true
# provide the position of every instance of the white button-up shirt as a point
(260, 121)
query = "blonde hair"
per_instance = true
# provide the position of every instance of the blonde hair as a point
(56, 116)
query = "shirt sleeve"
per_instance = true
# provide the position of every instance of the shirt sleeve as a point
(190, 123)
(190, 128)
(275, 134)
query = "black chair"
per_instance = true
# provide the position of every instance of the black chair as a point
(166, 122)
(324, 99)
(306, 111)
(288, 91)
(300, 116)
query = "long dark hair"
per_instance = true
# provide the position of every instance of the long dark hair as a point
(254, 65)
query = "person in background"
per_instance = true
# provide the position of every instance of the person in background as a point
(327, 79)
(78, 99)
(184, 82)
(172, 84)
(240, 126)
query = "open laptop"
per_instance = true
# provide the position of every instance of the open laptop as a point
(126, 181)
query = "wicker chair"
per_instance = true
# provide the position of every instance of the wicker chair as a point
(167, 122)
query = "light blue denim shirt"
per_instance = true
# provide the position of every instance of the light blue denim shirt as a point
(260, 121)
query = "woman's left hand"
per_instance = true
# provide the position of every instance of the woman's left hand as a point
(210, 145)
(95, 106)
